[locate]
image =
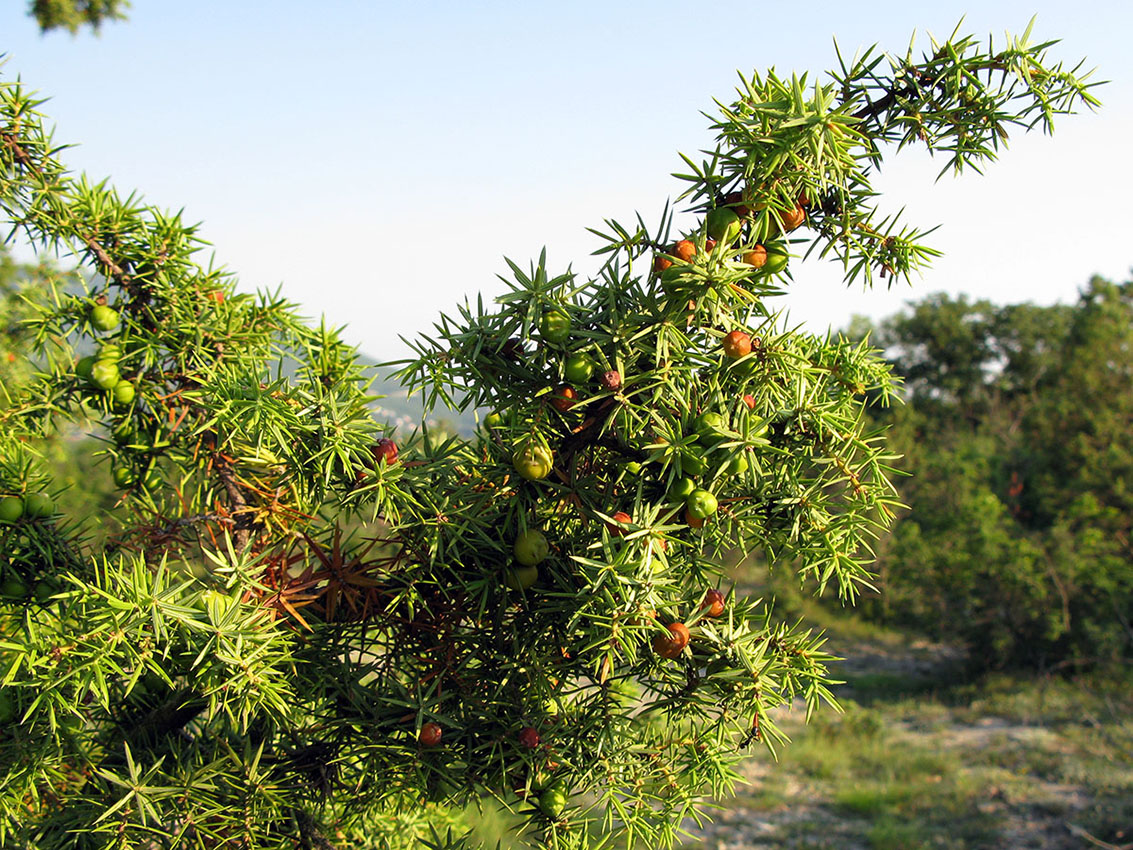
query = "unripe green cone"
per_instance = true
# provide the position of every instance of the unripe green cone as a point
(45, 588)
(578, 369)
(520, 578)
(723, 224)
(533, 461)
(555, 326)
(737, 465)
(38, 505)
(11, 509)
(776, 262)
(681, 489)
(709, 425)
(531, 547)
(104, 374)
(693, 464)
(123, 393)
(552, 801)
(104, 318)
(13, 587)
(701, 504)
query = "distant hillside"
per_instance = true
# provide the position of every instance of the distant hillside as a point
(404, 412)
(395, 406)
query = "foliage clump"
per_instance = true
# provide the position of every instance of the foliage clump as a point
(301, 634)
(73, 15)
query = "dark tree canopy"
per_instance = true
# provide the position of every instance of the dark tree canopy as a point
(72, 15)
(1018, 432)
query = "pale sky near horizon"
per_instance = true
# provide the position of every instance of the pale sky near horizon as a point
(378, 160)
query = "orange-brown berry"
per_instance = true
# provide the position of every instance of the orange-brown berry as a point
(737, 344)
(756, 257)
(793, 218)
(684, 250)
(713, 603)
(430, 734)
(564, 398)
(620, 518)
(385, 449)
(672, 644)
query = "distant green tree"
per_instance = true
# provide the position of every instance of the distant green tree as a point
(73, 451)
(1017, 432)
(18, 289)
(72, 15)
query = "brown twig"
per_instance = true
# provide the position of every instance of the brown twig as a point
(590, 431)
(116, 271)
(18, 153)
(309, 833)
(236, 497)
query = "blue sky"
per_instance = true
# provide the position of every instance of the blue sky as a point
(378, 160)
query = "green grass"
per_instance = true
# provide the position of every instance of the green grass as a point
(871, 688)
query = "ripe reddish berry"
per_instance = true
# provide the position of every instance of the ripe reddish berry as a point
(709, 244)
(793, 218)
(619, 517)
(430, 734)
(529, 737)
(660, 263)
(684, 250)
(693, 522)
(713, 604)
(216, 296)
(735, 201)
(385, 449)
(612, 380)
(749, 400)
(737, 344)
(756, 257)
(672, 644)
(563, 398)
